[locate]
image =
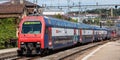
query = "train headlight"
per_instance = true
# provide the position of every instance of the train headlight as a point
(22, 42)
(38, 42)
(22, 45)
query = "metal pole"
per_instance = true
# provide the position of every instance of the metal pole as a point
(79, 12)
(111, 12)
(68, 1)
(58, 2)
(51, 2)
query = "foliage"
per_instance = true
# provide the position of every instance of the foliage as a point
(106, 12)
(7, 30)
(58, 16)
(74, 20)
(64, 18)
(109, 23)
(94, 21)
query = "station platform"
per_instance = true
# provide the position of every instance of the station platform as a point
(2, 51)
(108, 51)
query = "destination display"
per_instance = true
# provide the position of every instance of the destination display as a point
(32, 22)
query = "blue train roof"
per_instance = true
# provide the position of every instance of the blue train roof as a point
(88, 26)
(53, 22)
(81, 25)
(97, 28)
(107, 29)
(63, 23)
(118, 25)
(58, 22)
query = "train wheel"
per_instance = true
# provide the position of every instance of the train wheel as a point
(29, 53)
(50, 51)
(38, 51)
(19, 53)
(45, 52)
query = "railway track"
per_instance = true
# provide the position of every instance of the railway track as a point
(22, 58)
(72, 56)
(61, 55)
(5, 56)
(83, 51)
(68, 54)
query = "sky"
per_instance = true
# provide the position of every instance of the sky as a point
(83, 2)
(75, 2)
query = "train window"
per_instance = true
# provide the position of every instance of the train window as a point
(31, 27)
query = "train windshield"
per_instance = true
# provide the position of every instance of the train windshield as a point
(31, 27)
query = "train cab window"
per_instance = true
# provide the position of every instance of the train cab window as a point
(31, 27)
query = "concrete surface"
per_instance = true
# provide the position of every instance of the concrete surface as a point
(108, 51)
(8, 50)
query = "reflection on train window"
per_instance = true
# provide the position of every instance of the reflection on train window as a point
(31, 27)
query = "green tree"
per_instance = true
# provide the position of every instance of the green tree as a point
(58, 16)
(109, 23)
(7, 30)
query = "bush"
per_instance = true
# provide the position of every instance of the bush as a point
(7, 30)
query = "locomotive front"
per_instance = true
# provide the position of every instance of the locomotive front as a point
(31, 35)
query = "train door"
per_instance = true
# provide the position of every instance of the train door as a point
(75, 36)
(80, 35)
(113, 34)
(93, 35)
(48, 38)
(96, 35)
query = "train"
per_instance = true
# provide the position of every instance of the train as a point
(41, 34)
